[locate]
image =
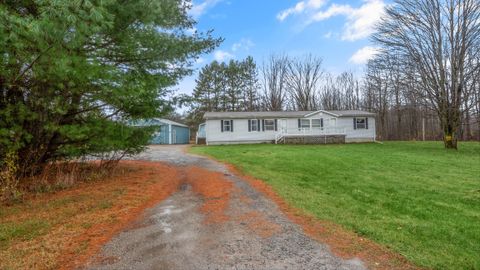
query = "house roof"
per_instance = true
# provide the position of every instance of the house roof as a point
(281, 114)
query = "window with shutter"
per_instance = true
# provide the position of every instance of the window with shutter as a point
(254, 125)
(304, 123)
(269, 124)
(360, 123)
(316, 123)
(227, 125)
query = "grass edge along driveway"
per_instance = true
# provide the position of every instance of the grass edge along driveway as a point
(416, 198)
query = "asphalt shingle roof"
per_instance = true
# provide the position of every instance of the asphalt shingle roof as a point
(281, 114)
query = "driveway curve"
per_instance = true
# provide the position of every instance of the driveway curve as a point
(215, 220)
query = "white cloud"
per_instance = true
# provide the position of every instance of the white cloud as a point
(333, 10)
(328, 35)
(221, 56)
(362, 56)
(300, 7)
(359, 22)
(244, 44)
(198, 9)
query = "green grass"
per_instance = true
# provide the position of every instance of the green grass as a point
(415, 197)
(22, 231)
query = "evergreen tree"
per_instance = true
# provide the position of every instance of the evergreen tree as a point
(225, 87)
(73, 74)
(251, 97)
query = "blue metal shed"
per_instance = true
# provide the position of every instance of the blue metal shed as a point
(169, 132)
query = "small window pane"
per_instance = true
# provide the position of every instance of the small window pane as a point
(269, 124)
(226, 125)
(305, 123)
(254, 125)
(361, 123)
(316, 123)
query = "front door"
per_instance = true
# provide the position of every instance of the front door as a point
(333, 122)
(283, 125)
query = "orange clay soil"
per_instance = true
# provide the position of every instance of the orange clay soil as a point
(342, 242)
(215, 189)
(81, 219)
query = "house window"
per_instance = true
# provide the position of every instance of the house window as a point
(361, 123)
(254, 125)
(227, 125)
(304, 123)
(317, 123)
(269, 124)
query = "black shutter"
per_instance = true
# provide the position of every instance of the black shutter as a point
(231, 125)
(321, 122)
(366, 122)
(276, 125)
(354, 123)
(263, 124)
(221, 125)
(249, 125)
(258, 125)
(299, 125)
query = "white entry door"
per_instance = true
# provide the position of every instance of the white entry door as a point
(283, 125)
(333, 122)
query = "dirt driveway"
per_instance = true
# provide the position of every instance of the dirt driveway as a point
(216, 220)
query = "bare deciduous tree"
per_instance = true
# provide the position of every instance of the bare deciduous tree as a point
(302, 80)
(439, 36)
(273, 82)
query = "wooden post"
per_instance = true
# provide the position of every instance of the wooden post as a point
(423, 128)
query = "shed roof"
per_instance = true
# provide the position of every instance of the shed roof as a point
(282, 114)
(170, 122)
(156, 121)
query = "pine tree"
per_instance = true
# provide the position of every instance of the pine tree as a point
(73, 74)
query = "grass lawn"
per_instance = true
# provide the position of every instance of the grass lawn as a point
(414, 197)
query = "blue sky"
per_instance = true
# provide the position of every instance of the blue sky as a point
(335, 30)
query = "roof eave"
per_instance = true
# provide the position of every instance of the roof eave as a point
(323, 111)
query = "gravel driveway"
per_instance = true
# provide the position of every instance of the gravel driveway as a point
(174, 234)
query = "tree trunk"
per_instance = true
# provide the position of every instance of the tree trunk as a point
(450, 133)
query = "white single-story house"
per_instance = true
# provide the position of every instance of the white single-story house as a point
(304, 127)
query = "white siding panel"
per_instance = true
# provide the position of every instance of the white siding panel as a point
(240, 133)
(357, 135)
